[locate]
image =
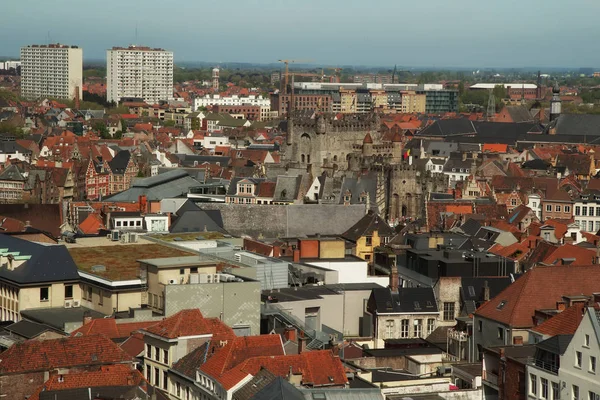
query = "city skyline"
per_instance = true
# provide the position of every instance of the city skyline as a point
(431, 33)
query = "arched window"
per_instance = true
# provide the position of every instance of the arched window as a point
(335, 159)
(303, 158)
(308, 158)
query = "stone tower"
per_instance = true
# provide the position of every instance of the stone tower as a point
(215, 78)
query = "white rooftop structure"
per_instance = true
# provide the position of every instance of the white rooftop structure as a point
(506, 85)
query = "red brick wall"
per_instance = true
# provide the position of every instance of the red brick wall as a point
(308, 248)
(513, 382)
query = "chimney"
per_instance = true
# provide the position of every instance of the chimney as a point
(302, 343)
(276, 251)
(335, 350)
(502, 354)
(394, 279)
(290, 334)
(296, 255)
(518, 340)
(129, 380)
(561, 306)
(486, 291)
(87, 317)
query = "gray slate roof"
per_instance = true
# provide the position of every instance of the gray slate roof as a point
(170, 184)
(12, 173)
(407, 300)
(47, 263)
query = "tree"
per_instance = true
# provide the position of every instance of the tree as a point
(102, 130)
(169, 123)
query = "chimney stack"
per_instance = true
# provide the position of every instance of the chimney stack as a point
(290, 334)
(394, 281)
(296, 255)
(486, 291)
(87, 317)
(302, 343)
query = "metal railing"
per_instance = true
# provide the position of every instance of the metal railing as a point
(318, 338)
(545, 365)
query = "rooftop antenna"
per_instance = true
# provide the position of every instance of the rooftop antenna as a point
(49, 38)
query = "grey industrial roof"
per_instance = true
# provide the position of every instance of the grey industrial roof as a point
(57, 317)
(198, 221)
(407, 300)
(46, 263)
(27, 329)
(170, 184)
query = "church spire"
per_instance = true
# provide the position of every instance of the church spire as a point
(555, 103)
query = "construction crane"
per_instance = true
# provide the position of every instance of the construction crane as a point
(337, 73)
(287, 72)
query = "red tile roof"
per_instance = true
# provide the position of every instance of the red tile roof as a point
(494, 148)
(565, 323)
(110, 328)
(540, 288)
(44, 355)
(114, 375)
(238, 350)
(92, 224)
(133, 346)
(187, 323)
(318, 368)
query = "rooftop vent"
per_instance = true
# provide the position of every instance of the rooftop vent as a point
(98, 268)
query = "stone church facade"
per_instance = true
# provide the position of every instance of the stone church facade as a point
(354, 145)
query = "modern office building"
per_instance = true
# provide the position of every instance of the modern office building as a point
(139, 72)
(53, 70)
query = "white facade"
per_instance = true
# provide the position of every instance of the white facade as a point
(577, 374)
(587, 215)
(10, 64)
(139, 72)
(51, 71)
(233, 100)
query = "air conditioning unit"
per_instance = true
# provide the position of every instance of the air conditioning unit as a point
(76, 303)
(237, 257)
(216, 278)
(68, 303)
(172, 281)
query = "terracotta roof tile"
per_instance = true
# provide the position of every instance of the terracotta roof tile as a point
(34, 355)
(187, 323)
(107, 376)
(540, 288)
(110, 328)
(565, 323)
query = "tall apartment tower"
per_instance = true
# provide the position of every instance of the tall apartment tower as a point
(53, 70)
(215, 79)
(139, 72)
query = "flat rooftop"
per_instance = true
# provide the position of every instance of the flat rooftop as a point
(97, 241)
(57, 317)
(181, 237)
(121, 261)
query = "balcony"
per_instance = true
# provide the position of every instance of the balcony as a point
(545, 365)
(459, 336)
(490, 377)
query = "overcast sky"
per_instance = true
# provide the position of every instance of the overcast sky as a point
(431, 33)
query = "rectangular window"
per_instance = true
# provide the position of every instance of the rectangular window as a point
(568, 209)
(156, 377)
(44, 294)
(597, 210)
(90, 292)
(148, 351)
(513, 202)
(430, 326)
(68, 291)
(575, 392)
(100, 297)
(578, 359)
(586, 341)
(157, 354)
(389, 329)
(448, 311)
(548, 207)
(369, 241)
(404, 330)
(593, 396)
(577, 211)
(533, 384)
(480, 326)
(593, 364)
(166, 356)
(418, 328)
(557, 208)
(501, 333)
(555, 391)
(584, 211)
(148, 373)
(591, 211)
(544, 388)
(165, 384)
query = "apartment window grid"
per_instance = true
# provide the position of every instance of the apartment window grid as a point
(389, 329)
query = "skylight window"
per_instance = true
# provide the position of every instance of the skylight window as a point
(417, 305)
(471, 291)
(502, 304)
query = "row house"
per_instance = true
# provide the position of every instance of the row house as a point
(587, 211)
(123, 171)
(250, 191)
(12, 183)
(97, 181)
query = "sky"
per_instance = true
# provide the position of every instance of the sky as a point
(424, 33)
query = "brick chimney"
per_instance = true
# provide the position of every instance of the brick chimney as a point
(87, 317)
(394, 279)
(302, 343)
(296, 255)
(290, 334)
(561, 306)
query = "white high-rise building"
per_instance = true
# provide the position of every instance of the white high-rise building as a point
(139, 72)
(53, 70)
